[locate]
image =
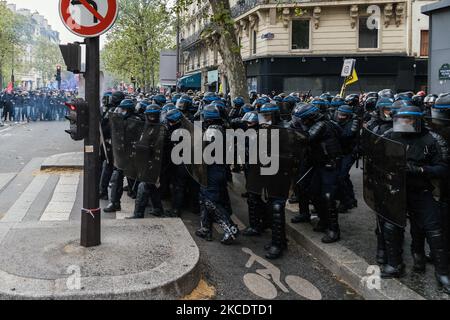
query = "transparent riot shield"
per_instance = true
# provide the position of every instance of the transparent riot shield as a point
(283, 147)
(149, 153)
(384, 177)
(198, 171)
(133, 132)
(118, 125)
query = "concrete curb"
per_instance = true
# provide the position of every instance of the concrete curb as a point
(72, 160)
(174, 278)
(347, 265)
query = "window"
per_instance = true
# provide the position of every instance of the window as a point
(368, 35)
(254, 41)
(424, 42)
(300, 34)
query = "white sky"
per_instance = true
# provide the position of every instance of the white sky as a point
(49, 9)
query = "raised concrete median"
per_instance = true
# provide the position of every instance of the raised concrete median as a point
(139, 259)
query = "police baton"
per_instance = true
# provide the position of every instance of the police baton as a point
(304, 176)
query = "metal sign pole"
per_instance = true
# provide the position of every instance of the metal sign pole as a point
(90, 215)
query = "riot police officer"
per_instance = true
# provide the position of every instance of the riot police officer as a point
(110, 102)
(257, 212)
(350, 125)
(127, 110)
(175, 175)
(147, 190)
(211, 199)
(425, 161)
(325, 156)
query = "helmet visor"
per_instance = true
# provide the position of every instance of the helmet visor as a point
(407, 124)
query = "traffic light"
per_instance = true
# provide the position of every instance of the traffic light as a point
(72, 56)
(79, 119)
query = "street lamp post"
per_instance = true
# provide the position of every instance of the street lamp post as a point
(12, 67)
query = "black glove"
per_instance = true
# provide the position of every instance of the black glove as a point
(355, 125)
(413, 169)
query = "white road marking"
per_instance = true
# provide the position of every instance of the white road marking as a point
(20, 208)
(5, 178)
(63, 200)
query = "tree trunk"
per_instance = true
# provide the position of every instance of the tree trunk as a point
(229, 49)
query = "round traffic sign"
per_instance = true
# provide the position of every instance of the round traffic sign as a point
(88, 18)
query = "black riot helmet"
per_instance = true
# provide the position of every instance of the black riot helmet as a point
(408, 120)
(152, 113)
(370, 104)
(430, 100)
(372, 95)
(127, 106)
(326, 96)
(418, 101)
(184, 103)
(352, 100)
(269, 114)
(384, 106)
(245, 109)
(386, 93)
(116, 98)
(106, 99)
(343, 114)
(321, 104)
(305, 114)
(441, 108)
(159, 99)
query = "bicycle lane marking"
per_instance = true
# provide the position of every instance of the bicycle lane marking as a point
(266, 282)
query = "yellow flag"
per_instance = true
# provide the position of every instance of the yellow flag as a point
(352, 79)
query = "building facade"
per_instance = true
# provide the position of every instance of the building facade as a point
(38, 27)
(439, 62)
(300, 45)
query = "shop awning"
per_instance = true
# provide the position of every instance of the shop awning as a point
(192, 81)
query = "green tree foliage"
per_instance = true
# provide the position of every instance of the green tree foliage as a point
(220, 33)
(11, 39)
(142, 30)
(46, 57)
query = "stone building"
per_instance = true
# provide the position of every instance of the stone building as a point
(439, 62)
(39, 27)
(300, 45)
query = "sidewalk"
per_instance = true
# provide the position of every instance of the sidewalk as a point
(40, 254)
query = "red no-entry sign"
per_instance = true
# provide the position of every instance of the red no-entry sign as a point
(88, 18)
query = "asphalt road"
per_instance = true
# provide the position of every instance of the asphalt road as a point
(20, 143)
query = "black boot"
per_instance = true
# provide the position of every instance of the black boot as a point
(393, 239)
(418, 248)
(254, 229)
(301, 218)
(436, 242)
(419, 262)
(205, 231)
(278, 232)
(333, 232)
(222, 217)
(174, 213)
(304, 214)
(103, 196)
(381, 257)
(141, 200)
(112, 207)
(342, 208)
(157, 212)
